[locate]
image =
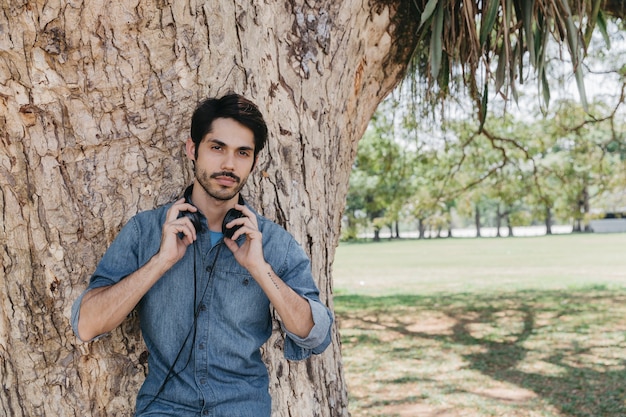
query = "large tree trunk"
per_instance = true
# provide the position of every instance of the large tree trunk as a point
(95, 102)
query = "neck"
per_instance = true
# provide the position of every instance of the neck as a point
(212, 208)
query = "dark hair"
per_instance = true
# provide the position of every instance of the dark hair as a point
(231, 106)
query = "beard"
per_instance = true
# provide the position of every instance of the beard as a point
(217, 191)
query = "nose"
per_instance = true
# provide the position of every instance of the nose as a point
(228, 163)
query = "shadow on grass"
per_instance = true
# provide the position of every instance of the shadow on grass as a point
(567, 347)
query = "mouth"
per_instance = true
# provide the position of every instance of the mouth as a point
(226, 179)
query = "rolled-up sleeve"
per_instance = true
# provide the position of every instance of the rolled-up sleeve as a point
(76, 314)
(298, 348)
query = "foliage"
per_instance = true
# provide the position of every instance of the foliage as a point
(518, 169)
(510, 166)
(382, 174)
(490, 43)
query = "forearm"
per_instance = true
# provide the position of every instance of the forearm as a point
(294, 310)
(103, 309)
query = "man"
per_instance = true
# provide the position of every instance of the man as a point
(203, 298)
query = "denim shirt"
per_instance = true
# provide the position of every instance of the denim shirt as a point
(205, 320)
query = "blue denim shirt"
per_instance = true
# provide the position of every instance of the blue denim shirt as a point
(205, 320)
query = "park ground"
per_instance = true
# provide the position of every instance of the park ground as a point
(528, 326)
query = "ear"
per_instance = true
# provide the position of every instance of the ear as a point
(256, 160)
(190, 149)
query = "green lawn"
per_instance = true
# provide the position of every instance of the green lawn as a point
(484, 327)
(484, 264)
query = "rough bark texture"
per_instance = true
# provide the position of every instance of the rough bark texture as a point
(95, 101)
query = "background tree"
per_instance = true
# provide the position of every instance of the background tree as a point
(95, 98)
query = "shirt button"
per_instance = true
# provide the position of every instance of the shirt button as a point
(203, 381)
(246, 281)
(201, 347)
(205, 412)
(208, 268)
(202, 307)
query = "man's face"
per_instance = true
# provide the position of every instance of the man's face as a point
(225, 158)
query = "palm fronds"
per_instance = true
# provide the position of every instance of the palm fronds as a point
(495, 40)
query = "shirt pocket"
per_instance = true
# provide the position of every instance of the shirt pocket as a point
(240, 299)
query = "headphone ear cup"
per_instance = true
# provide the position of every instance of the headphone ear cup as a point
(196, 220)
(195, 217)
(231, 215)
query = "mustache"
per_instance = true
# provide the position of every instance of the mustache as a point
(226, 174)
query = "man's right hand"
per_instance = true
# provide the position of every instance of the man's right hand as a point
(178, 233)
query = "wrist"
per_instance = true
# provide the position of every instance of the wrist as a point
(260, 270)
(161, 263)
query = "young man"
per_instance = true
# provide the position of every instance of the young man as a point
(203, 298)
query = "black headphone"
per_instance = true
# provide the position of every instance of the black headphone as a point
(197, 217)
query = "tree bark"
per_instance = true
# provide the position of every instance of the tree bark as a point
(95, 99)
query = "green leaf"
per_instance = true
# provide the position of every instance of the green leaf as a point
(489, 19)
(572, 34)
(603, 30)
(436, 48)
(501, 69)
(444, 80)
(428, 11)
(580, 83)
(592, 20)
(545, 88)
(517, 54)
(483, 107)
(574, 47)
(527, 16)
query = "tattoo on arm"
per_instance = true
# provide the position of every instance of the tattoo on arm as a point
(269, 274)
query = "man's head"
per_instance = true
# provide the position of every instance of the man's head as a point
(231, 106)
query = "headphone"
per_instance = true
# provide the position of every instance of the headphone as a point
(197, 217)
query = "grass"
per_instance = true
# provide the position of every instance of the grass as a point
(484, 327)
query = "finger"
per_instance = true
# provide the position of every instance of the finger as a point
(240, 222)
(182, 228)
(173, 211)
(188, 229)
(246, 212)
(178, 206)
(251, 234)
(231, 244)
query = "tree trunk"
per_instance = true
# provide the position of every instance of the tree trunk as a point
(509, 225)
(498, 221)
(421, 228)
(548, 220)
(477, 220)
(586, 208)
(96, 98)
